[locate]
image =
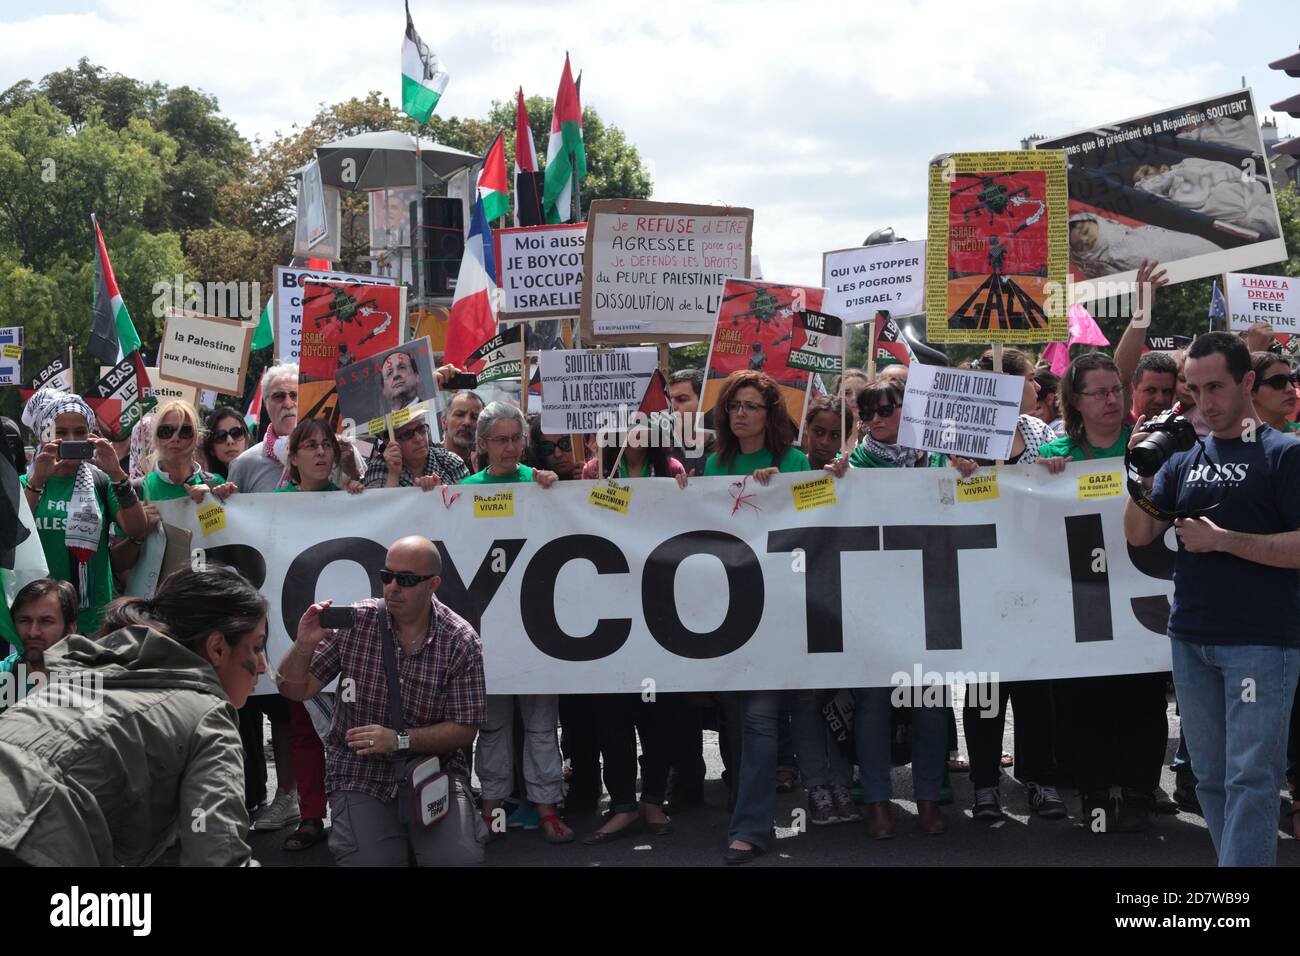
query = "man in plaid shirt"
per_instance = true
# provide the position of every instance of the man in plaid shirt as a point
(440, 671)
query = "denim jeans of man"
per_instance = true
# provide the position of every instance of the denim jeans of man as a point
(871, 722)
(816, 754)
(1236, 703)
(752, 717)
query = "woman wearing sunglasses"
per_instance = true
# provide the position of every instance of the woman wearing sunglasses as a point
(225, 438)
(502, 435)
(171, 470)
(554, 452)
(1274, 392)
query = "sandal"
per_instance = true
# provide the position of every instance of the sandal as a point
(309, 833)
(555, 831)
(785, 781)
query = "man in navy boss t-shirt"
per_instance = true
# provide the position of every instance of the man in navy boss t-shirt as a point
(1235, 621)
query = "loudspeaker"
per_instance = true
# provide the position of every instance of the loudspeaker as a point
(529, 189)
(441, 244)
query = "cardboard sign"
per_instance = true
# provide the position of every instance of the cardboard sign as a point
(998, 251)
(1187, 186)
(204, 351)
(868, 279)
(1256, 298)
(585, 388)
(654, 272)
(540, 268)
(392, 382)
(11, 355)
(960, 411)
(288, 304)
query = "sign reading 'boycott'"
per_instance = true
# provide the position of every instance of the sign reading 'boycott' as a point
(689, 593)
(204, 351)
(582, 389)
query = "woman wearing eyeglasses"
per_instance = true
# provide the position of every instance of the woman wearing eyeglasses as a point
(502, 435)
(313, 451)
(225, 438)
(1112, 730)
(1274, 393)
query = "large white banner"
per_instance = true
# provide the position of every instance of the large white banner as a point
(881, 577)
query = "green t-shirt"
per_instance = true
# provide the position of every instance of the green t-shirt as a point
(158, 489)
(51, 518)
(329, 486)
(1067, 447)
(521, 473)
(792, 460)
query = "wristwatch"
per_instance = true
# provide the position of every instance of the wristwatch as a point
(403, 741)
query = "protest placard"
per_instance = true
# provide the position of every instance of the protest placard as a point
(502, 355)
(1257, 298)
(343, 323)
(115, 399)
(204, 351)
(997, 253)
(288, 303)
(818, 344)
(589, 601)
(11, 355)
(1188, 186)
(57, 373)
(755, 330)
(654, 272)
(960, 412)
(585, 388)
(540, 268)
(384, 384)
(868, 279)
(159, 391)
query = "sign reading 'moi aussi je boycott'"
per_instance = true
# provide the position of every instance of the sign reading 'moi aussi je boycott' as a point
(654, 271)
(540, 269)
(288, 304)
(583, 389)
(868, 279)
(960, 411)
(204, 351)
(1255, 298)
(688, 591)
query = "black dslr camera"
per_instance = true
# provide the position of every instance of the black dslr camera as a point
(1170, 432)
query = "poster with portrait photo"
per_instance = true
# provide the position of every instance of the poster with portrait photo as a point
(388, 383)
(1188, 186)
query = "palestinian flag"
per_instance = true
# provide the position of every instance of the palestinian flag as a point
(817, 345)
(473, 318)
(112, 333)
(116, 400)
(264, 335)
(566, 159)
(423, 81)
(493, 187)
(891, 345)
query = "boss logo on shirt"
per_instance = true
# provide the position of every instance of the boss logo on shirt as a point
(1233, 473)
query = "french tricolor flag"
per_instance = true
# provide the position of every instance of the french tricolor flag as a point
(473, 317)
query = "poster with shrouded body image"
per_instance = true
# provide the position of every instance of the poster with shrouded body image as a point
(343, 323)
(386, 383)
(996, 252)
(1188, 186)
(755, 330)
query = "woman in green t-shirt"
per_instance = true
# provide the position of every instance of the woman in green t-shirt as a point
(170, 468)
(502, 439)
(313, 451)
(1092, 405)
(75, 501)
(755, 436)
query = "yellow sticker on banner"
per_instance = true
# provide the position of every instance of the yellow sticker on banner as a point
(401, 417)
(500, 505)
(12, 351)
(813, 494)
(1106, 484)
(978, 487)
(212, 517)
(614, 497)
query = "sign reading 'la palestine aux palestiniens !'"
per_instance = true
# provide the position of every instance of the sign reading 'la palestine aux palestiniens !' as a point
(204, 351)
(1256, 298)
(654, 271)
(583, 389)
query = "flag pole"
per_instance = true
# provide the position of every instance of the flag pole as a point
(844, 411)
(417, 234)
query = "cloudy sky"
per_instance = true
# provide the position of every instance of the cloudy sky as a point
(821, 117)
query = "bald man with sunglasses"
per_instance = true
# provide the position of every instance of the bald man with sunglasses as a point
(439, 663)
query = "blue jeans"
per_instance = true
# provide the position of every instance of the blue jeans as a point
(753, 713)
(1238, 746)
(871, 720)
(817, 755)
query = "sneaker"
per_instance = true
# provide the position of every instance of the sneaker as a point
(279, 813)
(986, 806)
(1045, 801)
(1185, 794)
(845, 808)
(524, 818)
(821, 807)
(1162, 803)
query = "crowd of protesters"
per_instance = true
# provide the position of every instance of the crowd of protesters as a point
(540, 758)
